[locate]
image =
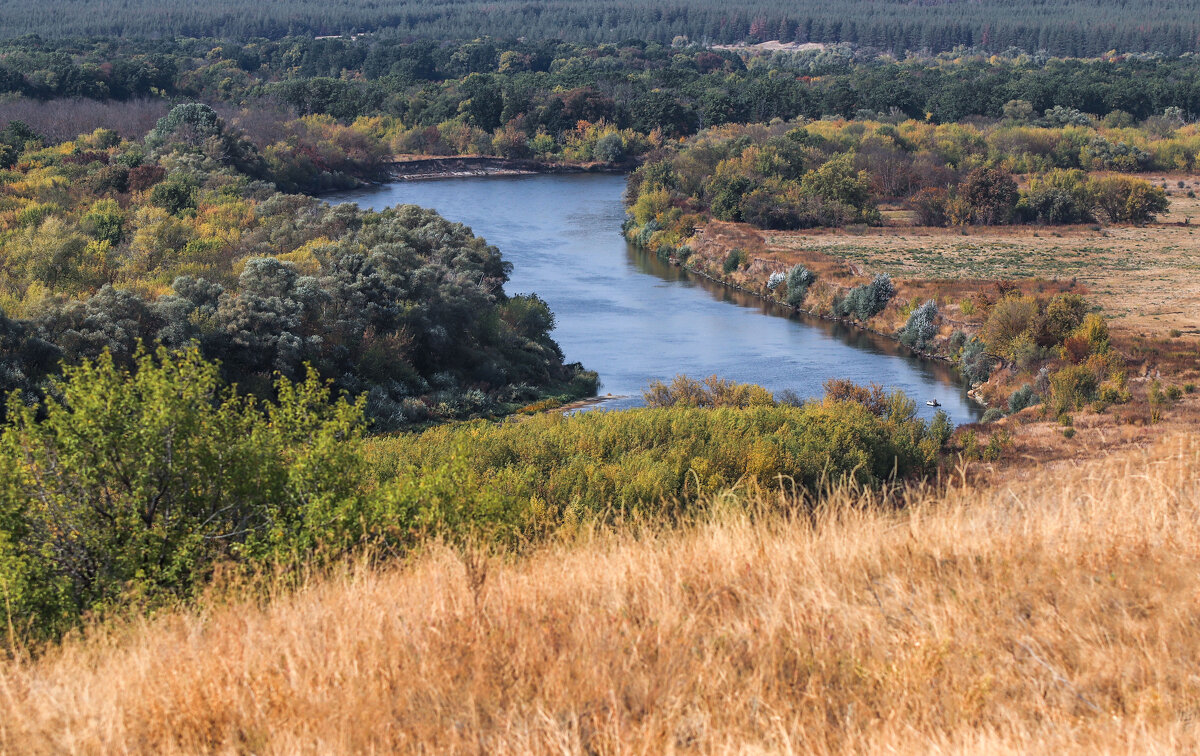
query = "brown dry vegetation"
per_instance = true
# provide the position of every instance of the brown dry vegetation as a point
(1059, 612)
(1145, 278)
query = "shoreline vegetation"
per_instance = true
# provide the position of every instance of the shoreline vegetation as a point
(418, 167)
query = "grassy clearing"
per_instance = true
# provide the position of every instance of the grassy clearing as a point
(1055, 612)
(1143, 277)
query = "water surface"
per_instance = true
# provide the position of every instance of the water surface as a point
(634, 318)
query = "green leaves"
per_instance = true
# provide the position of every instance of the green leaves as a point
(140, 481)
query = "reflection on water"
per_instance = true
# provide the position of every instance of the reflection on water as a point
(855, 337)
(634, 318)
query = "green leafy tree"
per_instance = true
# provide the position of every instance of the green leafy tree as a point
(125, 484)
(1122, 199)
(991, 195)
(837, 181)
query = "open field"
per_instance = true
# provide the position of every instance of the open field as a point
(1145, 278)
(1059, 610)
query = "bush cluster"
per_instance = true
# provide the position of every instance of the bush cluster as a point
(866, 301)
(127, 484)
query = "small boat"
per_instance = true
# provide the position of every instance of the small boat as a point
(934, 403)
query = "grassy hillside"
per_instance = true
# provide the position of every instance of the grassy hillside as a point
(1058, 610)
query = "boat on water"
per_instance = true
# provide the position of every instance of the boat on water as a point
(934, 403)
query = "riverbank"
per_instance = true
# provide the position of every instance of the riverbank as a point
(633, 318)
(414, 167)
(1160, 362)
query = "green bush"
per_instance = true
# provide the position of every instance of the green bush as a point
(552, 470)
(1072, 387)
(799, 279)
(866, 301)
(1022, 398)
(135, 484)
(737, 258)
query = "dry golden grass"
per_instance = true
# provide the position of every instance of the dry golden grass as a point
(1143, 277)
(1061, 612)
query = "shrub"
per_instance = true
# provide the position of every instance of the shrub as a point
(1072, 388)
(1022, 398)
(990, 194)
(799, 279)
(921, 327)
(552, 470)
(1122, 199)
(998, 443)
(836, 181)
(711, 392)
(1024, 351)
(1093, 332)
(868, 300)
(775, 280)
(609, 148)
(1007, 320)
(974, 362)
(736, 258)
(138, 483)
(929, 205)
(1063, 315)
(143, 177)
(173, 196)
(1057, 197)
(992, 415)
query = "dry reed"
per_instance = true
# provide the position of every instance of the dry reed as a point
(1060, 612)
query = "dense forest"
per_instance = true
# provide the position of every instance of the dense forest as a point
(1087, 27)
(549, 85)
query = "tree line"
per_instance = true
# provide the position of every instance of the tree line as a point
(1065, 27)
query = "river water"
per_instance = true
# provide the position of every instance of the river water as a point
(633, 318)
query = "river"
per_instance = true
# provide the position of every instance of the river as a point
(634, 319)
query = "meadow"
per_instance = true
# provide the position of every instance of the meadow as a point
(1051, 611)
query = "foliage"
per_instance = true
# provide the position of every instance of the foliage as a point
(866, 301)
(896, 26)
(1122, 199)
(136, 483)
(737, 258)
(400, 306)
(990, 195)
(921, 327)
(1072, 387)
(799, 279)
(1022, 398)
(974, 363)
(711, 392)
(1018, 326)
(551, 469)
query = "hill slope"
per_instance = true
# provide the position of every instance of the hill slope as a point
(1059, 610)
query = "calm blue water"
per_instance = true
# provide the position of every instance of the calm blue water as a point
(633, 318)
